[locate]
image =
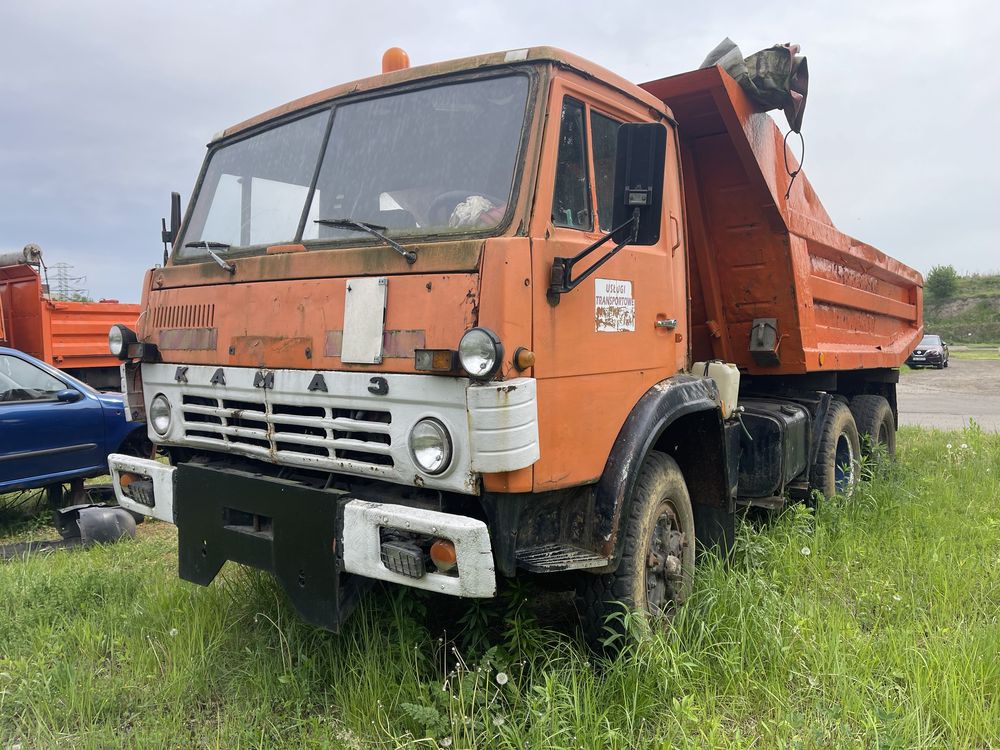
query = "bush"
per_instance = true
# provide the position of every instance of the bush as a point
(941, 283)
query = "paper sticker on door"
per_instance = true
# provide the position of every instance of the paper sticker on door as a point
(614, 306)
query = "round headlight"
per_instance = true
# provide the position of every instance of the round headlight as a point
(119, 337)
(480, 353)
(159, 414)
(430, 446)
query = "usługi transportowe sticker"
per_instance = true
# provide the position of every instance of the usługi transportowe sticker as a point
(614, 306)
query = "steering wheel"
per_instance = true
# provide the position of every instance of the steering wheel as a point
(447, 202)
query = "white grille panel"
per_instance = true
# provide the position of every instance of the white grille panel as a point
(361, 437)
(351, 427)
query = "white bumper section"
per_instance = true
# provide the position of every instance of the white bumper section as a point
(156, 500)
(362, 548)
(362, 522)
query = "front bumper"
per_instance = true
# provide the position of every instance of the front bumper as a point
(323, 546)
(925, 358)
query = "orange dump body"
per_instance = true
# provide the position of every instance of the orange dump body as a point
(68, 335)
(835, 303)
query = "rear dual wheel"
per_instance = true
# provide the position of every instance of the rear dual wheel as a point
(838, 460)
(876, 425)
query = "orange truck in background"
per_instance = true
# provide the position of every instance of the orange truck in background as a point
(67, 334)
(500, 316)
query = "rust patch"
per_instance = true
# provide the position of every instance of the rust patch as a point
(279, 249)
(188, 339)
(397, 344)
(269, 351)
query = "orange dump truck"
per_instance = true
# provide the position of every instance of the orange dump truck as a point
(500, 316)
(67, 334)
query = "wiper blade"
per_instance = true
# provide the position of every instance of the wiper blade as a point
(210, 247)
(374, 230)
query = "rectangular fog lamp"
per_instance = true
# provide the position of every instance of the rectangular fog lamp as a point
(402, 558)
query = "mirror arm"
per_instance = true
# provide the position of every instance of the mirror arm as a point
(561, 276)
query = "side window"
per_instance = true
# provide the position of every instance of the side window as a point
(604, 136)
(21, 381)
(571, 201)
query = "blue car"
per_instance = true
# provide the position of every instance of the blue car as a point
(55, 429)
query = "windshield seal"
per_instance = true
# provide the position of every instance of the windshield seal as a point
(529, 70)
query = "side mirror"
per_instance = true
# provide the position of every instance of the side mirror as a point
(168, 236)
(639, 166)
(68, 395)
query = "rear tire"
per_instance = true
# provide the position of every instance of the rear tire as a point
(873, 417)
(656, 570)
(837, 463)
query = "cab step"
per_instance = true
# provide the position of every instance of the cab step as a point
(769, 503)
(552, 558)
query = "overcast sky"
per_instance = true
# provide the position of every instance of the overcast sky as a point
(105, 107)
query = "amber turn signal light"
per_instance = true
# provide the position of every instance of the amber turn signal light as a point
(126, 478)
(435, 360)
(523, 358)
(443, 554)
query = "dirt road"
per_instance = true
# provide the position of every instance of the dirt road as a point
(948, 398)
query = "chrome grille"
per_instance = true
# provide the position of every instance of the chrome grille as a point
(311, 434)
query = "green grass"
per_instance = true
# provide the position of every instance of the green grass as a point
(872, 622)
(976, 354)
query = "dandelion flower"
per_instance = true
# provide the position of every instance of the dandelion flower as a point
(963, 446)
(173, 632)
(445, 742)
(498, 721)
(948, 446)
(806, 551)
(501, 678)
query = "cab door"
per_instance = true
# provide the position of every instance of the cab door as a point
(608, 340)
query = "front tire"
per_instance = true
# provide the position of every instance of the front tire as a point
(656, 571)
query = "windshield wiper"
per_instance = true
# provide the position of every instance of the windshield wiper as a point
(210, 247)
(374, 230)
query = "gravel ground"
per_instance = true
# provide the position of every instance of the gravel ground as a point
(948, 398)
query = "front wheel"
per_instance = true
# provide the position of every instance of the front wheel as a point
(656, 570)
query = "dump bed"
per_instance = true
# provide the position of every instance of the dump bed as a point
(772, 274)
(69, 335)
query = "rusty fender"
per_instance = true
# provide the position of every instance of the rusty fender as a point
(675, 401)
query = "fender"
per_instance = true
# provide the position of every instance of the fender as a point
(662, 405)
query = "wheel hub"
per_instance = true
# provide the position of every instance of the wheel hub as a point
(664, 563)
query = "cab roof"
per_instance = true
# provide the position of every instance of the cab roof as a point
(492, 60)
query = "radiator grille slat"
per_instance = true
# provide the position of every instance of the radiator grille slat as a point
(334, 437)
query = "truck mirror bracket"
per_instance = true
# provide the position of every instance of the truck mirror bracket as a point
(561, 278)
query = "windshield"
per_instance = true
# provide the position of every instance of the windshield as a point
(930, 341)
(428, 161)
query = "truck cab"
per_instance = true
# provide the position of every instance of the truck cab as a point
(435, 328)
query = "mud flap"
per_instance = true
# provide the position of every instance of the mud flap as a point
(283, 527)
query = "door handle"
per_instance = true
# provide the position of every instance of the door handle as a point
(668, 323)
